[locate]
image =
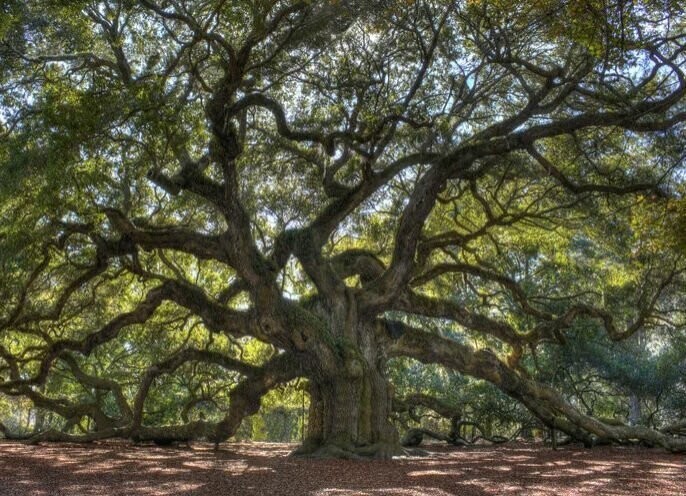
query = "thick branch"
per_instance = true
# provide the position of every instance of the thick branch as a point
(543, 401)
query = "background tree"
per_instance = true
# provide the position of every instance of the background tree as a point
(332, 184)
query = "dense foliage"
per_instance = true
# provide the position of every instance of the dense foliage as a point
(450, 214)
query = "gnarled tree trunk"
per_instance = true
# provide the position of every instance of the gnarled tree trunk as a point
(351, 399)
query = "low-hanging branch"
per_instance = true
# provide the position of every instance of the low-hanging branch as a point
(544, 402)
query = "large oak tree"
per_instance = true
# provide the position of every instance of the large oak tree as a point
(345, 181)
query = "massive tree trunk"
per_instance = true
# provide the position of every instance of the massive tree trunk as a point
(351, 413)
(351, 398)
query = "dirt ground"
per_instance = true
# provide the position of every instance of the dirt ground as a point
(116, 468)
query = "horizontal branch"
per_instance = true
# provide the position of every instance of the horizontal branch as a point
(200, 245)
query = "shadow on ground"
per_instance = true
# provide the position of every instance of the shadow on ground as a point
(117, 468)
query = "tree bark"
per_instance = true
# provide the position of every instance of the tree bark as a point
(351, 402)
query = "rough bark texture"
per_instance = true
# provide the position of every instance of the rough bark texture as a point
(351, 398)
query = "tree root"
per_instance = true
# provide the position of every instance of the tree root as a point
(378, 451)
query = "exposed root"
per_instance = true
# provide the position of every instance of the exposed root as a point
(325, 452)
(378, 451)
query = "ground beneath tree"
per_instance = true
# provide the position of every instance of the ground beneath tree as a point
(117, 468)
